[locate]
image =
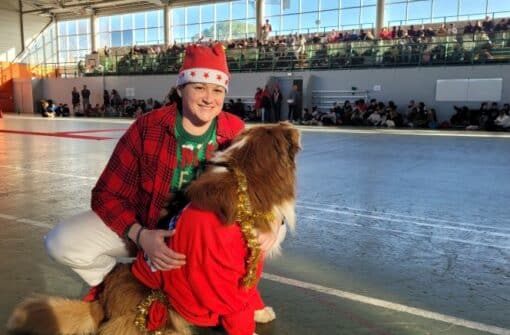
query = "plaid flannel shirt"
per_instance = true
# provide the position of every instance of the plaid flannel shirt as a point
(136, 181)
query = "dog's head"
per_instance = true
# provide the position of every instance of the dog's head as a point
(266, 156)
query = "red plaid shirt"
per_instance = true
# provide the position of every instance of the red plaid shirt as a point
(136, 181)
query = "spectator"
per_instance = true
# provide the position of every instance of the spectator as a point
(266, 106)
(75, 98)
(385, 34)
(502, 122)
(47, 109)
(432, 118)
(276, 103)
(460, 118)
(294, 101)
(106, 98)
(258, 103)
(239, 109)
(85, 96)
(266, 30)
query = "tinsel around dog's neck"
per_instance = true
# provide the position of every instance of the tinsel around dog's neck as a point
(247, 219)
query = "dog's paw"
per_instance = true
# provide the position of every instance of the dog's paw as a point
(265, 315)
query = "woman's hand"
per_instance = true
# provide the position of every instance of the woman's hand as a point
(268, 239)
(162, 257)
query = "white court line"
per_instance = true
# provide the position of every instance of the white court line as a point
(412, 233)
(350, 296)
(47, 172)
(316, 129)
(26, 221)
(388, 305)
(405, 132)
(302, 202)
(377, 217)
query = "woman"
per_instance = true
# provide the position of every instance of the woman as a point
(143, 181)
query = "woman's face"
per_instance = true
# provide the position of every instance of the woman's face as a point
(201, 102)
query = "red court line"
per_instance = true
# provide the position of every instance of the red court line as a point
(82, 137)
(91, 131)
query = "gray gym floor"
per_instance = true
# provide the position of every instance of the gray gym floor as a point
(399, 232)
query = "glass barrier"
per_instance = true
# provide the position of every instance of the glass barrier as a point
(446, 50)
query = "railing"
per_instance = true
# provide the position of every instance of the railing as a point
(449, 50)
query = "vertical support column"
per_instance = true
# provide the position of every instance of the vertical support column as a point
(380, 18)
(259, 5)
(57, 43)
(166, 24)
(21, 28)
(93, 33)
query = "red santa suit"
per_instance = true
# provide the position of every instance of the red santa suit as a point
(207, 291)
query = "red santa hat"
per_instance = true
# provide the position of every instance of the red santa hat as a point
(204, 64)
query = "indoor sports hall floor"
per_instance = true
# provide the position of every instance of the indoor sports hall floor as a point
(398, 232)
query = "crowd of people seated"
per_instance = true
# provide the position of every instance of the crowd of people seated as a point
(372, 114)
(358, 113)
(281, 50)
(487, 118)
(50, 109)
(113, 106)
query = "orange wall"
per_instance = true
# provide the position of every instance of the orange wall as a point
(8, 72)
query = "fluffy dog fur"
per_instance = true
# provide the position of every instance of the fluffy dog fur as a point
(265, 154)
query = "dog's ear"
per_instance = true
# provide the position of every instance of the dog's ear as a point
(215, 192)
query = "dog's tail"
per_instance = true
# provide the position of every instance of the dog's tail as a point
(54, 315)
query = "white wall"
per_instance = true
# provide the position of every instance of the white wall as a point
(10, 27)
(397, 84)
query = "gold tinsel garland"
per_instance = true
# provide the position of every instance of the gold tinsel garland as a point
(142, 312)
(247, 219)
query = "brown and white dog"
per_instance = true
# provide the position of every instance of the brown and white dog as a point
(253, 181)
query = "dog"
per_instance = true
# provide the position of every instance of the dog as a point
(247, 189)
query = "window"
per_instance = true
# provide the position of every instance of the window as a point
(445, 8)
(309, 22)
(138, 28)
(216, 21)
(223, 11)
(74, 42)
(419, 10)
(394, 15)
(349, 18)
(290, 24)
(472, 7)
(329, 20)
(115, 23)
(290, 6)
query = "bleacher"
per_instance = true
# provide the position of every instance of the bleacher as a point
(460, 49)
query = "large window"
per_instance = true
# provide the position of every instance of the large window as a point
(406, 12)
(219, 21)
(309, 16)
(141, 28)
(73, 40)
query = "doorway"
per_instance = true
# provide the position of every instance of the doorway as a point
(286, 84)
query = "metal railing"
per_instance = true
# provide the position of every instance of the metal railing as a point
(449, 50)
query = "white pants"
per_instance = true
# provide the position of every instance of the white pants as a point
(87, 245)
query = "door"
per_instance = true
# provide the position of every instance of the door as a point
(286, 84)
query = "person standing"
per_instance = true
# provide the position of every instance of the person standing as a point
(85, 96)
(75, 98)
(266, 29)
(276, 103)
(294, 101)
(266, 105)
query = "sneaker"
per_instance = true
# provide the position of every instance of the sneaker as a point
(93, 293)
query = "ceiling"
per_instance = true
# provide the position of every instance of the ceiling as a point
(77, 8)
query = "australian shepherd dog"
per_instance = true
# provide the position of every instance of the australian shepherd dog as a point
(246, 190)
